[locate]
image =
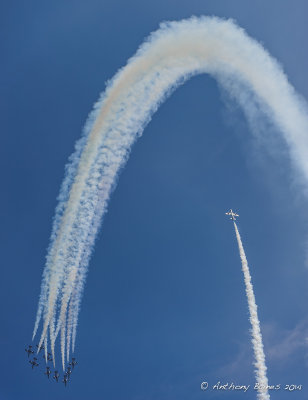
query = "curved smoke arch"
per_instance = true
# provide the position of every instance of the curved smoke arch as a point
(171, 55)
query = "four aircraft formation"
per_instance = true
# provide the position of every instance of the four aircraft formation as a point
(56, 375)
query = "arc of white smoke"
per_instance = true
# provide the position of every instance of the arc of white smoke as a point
(256, 338)
(70, 173)
(171, 55)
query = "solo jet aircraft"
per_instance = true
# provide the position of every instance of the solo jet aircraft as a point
(232, 215)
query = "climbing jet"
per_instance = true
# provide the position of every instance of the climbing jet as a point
(29, 350)
(232, 215)
(56, 376)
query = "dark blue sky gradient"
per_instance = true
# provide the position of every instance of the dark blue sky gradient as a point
(164, 306)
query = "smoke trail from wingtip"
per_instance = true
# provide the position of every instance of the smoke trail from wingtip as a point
(171, 55)
(256, 336)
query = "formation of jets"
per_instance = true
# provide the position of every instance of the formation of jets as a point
(232, 215)
(70, 368)
(56, 375)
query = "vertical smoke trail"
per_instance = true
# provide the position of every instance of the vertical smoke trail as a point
(170, 56)
(45, 346)
(255, 325)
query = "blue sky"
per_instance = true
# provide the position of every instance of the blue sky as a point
(164, 306)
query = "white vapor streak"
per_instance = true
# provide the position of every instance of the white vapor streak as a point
(171, 55)
(255, 325)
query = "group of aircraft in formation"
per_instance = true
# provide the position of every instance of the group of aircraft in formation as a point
(72, 364)
(56, 375)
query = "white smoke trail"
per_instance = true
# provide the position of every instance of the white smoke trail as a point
(255, 325)
(177, 51)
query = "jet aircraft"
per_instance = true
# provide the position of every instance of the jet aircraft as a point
(34, 363)
(68, 372)
(29, 350)
(41, 348)
(49, 358)
(232, 215)
(56, 376)
(65, 379)
(48, 372)
(73, 363)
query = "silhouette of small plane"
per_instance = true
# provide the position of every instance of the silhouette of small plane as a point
(73, 363)
(65, 379)
(49, 358)
(41, 348)
(48, 372)
(34, 363)
(29, 350)
(68, 372)
(56, 376)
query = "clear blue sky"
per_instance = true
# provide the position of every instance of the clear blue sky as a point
(164, 306)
